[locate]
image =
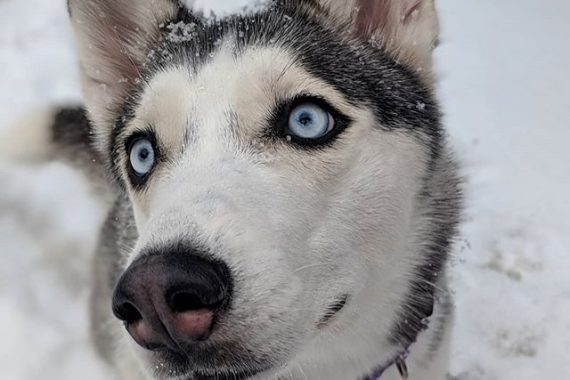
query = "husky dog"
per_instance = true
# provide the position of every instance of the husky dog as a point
(284, 199)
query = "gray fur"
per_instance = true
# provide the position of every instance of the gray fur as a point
(363, 77)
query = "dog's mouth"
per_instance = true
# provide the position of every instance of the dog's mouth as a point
(226, 376)
(208, 363)
(328, 317)
(333, 310)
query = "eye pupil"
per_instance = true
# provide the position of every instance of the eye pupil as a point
(143, 154)
(305, 119)
(309, 121)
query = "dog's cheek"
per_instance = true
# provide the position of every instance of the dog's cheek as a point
(375, 204)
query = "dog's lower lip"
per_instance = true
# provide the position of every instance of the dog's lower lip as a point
(228, 376)
(218, 377)
(333, 310)
(192, 367)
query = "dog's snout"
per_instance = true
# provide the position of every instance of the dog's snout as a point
(171, 298)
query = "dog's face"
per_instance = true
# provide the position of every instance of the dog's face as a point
(282, 146)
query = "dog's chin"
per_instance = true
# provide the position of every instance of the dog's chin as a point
(209, 363)
(247, 375)
(177, 373)
(224, 375)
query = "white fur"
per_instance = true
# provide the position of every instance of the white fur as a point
(350, 244)
(297, 229)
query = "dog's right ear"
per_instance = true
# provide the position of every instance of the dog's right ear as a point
(408, 29)
(114, 38)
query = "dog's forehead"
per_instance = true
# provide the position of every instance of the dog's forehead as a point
(235, 69)
(363, 71)
(299, 35)
(227, 89)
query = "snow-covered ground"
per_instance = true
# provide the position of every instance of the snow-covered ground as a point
(506, 89)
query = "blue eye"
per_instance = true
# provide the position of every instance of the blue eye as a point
(310, 121)
(142, 157)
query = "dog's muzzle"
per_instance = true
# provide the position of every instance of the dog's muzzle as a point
(169, 299)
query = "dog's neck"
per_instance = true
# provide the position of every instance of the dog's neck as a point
(400, 360)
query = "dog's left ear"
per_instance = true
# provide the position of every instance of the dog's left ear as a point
(114, 38)
(408, 29)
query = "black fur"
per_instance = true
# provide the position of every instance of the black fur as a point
(400, 100)
(71, 129)
(397, 96)
(430, 284)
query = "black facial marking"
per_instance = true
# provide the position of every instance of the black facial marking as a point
(363, 72)
(368, 77)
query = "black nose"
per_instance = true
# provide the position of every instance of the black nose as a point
(171, 298)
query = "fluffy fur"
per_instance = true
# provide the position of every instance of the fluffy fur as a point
(370, 215)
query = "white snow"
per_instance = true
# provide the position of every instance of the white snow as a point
(506, 90)
(224, 7)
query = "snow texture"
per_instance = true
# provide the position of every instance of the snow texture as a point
(506, 91)
(224, 7)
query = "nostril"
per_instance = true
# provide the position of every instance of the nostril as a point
(184, 301)
(128, 313)
(169, 297)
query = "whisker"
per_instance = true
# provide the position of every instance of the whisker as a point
(310, 266)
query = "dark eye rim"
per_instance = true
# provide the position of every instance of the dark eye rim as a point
(137, 180)
(281, 115)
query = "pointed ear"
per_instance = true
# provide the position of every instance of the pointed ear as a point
(114, 38)
(409, 29)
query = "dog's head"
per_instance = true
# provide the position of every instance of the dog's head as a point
(275, 163)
